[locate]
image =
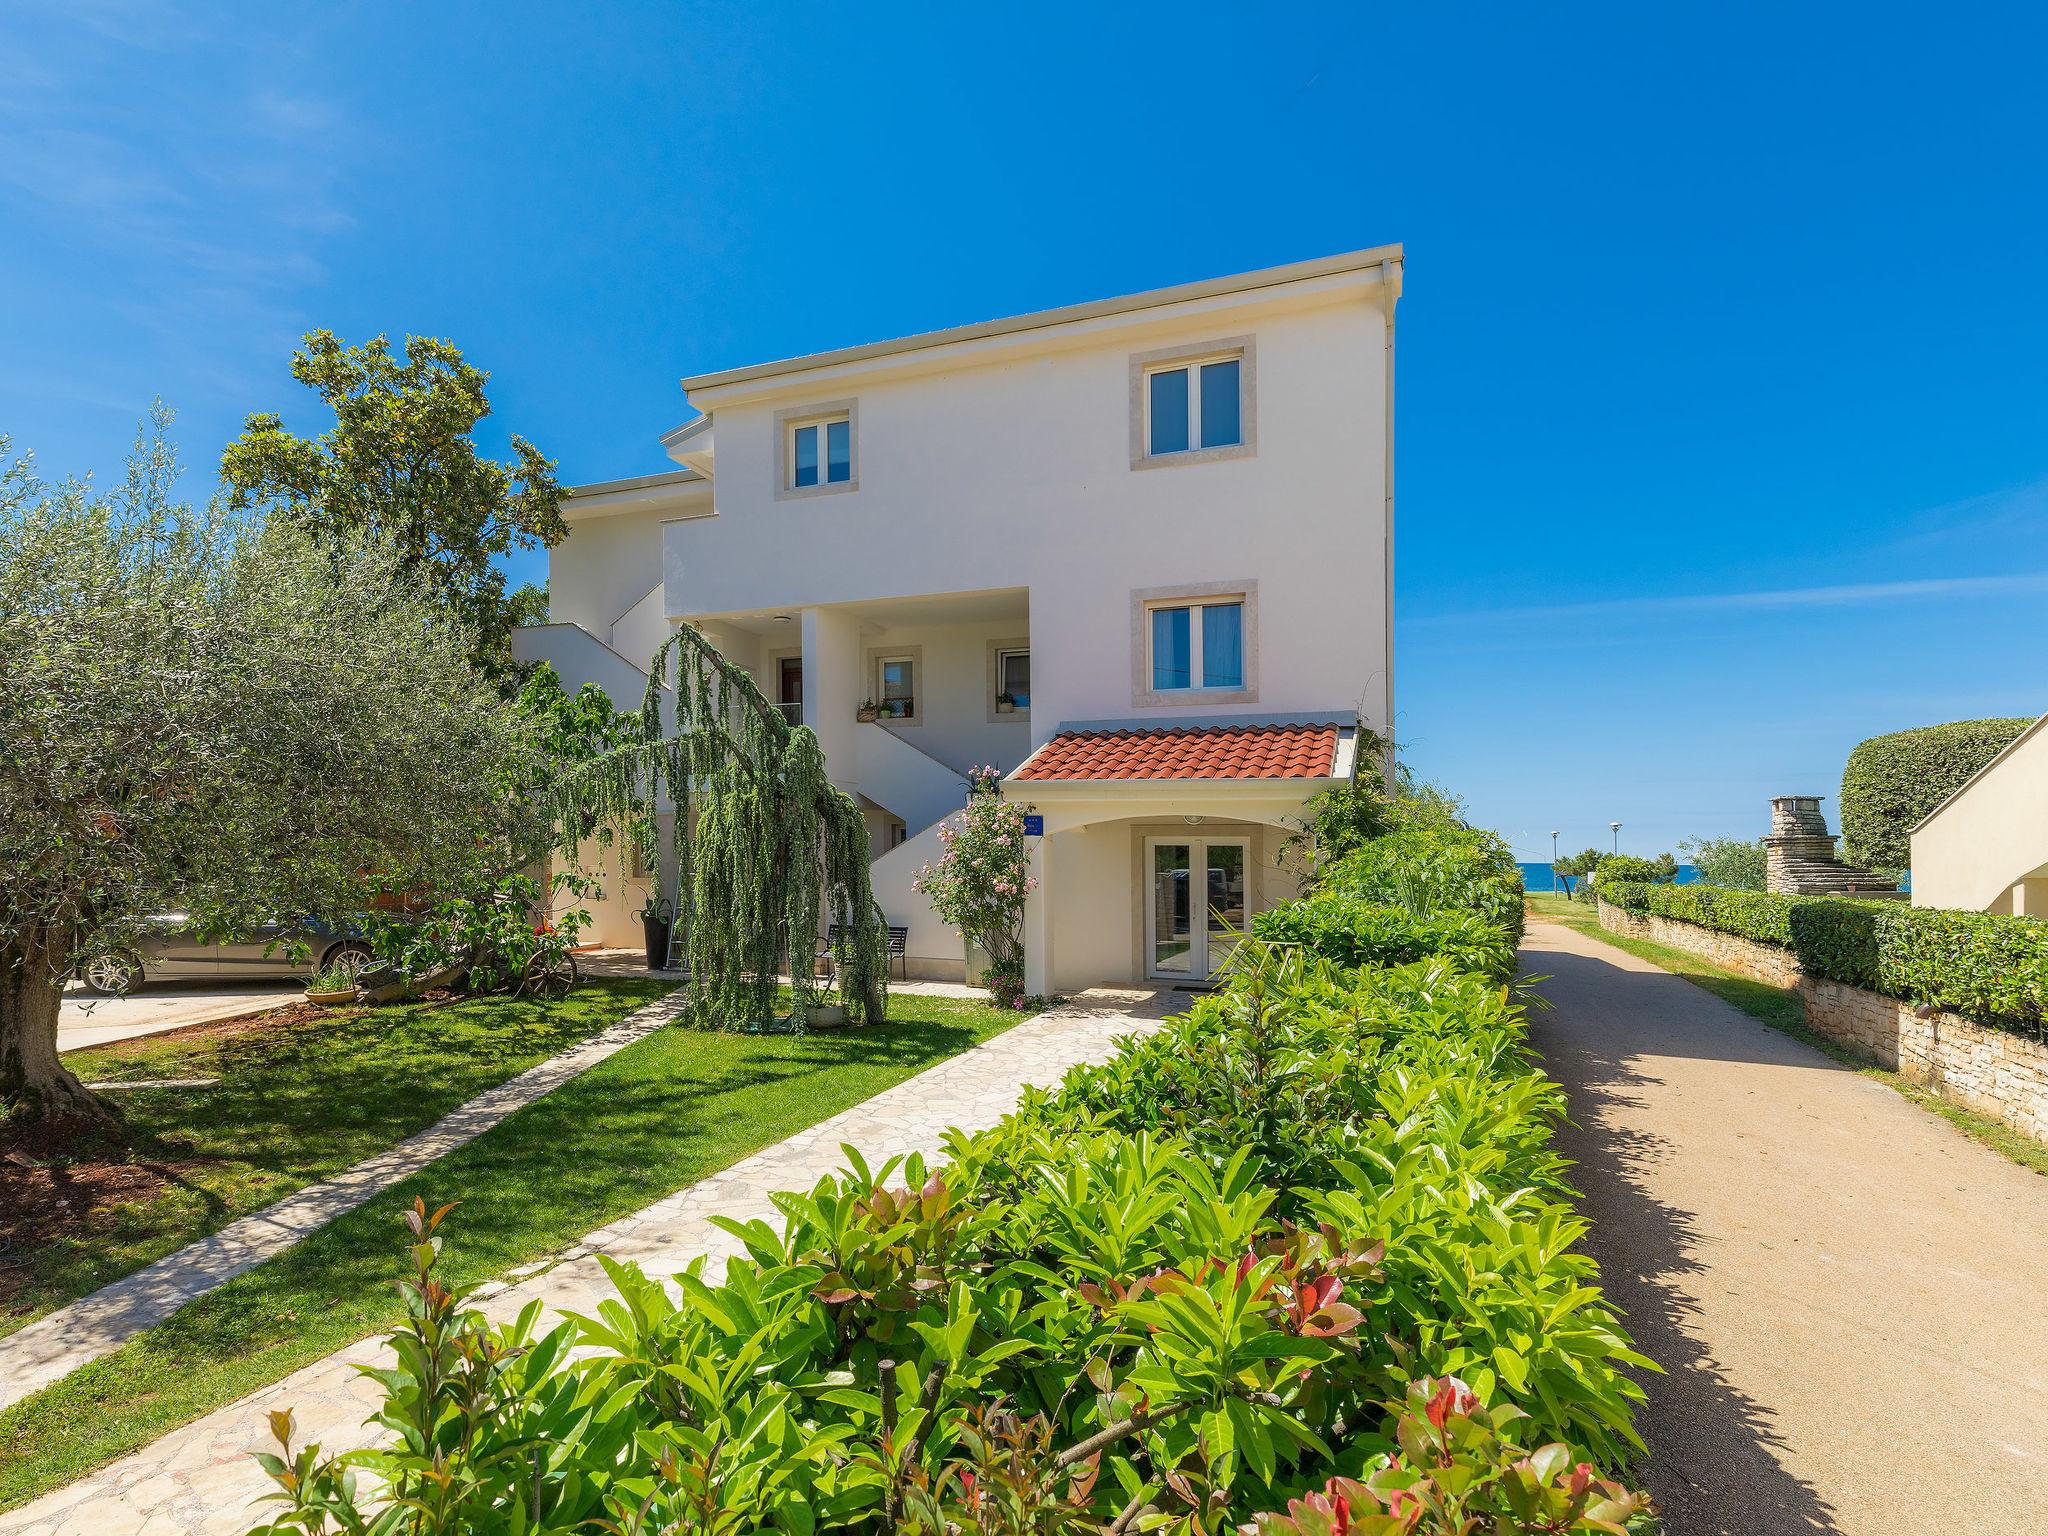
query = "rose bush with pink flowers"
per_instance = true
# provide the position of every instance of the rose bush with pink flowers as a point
(980, 880)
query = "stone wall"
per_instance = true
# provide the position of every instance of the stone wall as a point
(1760, 962)
(1991, 1071)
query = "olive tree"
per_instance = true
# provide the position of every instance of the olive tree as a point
(1730, 862)
(209, 714)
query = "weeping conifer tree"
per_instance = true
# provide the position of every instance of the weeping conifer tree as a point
(761, 839)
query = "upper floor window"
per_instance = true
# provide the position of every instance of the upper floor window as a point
(1195, 407)
(821, 452)
(1198, 645)
(1194, 403)
(1013, 679)
(816, 449)
(896, 687)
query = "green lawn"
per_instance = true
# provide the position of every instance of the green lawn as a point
(300, 1098)
(1781, 1009)
(657, 1116)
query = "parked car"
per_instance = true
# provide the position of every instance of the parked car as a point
(167, 949)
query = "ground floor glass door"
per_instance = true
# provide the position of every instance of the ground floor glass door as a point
(1194, 904)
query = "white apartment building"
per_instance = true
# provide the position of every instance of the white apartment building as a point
(1136, 553)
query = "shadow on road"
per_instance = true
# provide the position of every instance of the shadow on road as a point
(1711, 1463)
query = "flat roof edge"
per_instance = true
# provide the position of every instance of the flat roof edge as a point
(681, 476)
(1156, 298)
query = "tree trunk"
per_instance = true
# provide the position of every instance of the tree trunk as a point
(32, 1080)
(412, 986)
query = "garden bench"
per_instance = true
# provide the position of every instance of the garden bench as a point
(899, 944)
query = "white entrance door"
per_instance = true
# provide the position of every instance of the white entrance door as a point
(1194, 904)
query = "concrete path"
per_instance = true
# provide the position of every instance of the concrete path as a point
(199, 1480)
(85, 1019)
(54, 1346)
(1846, 1292)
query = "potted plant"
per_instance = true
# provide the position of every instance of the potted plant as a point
(823, 1015)
(868, 713)
(657, 919)
(1006, 703)
(332, 987)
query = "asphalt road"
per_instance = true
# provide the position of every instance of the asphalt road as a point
(1844, 1291)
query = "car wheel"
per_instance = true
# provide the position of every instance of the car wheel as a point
(353, 959)
(112, 974)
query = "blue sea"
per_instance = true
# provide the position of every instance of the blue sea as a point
(1538, 877)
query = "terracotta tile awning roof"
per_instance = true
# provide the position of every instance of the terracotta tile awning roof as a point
(1187, 752)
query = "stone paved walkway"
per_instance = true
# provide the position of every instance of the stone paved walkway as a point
(200, 1481)
(1843, 1290)
(54, 1346)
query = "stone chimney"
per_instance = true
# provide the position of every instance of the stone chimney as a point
(1800, 855)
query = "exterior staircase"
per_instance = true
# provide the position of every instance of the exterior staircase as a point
(909, 784)
(922, 792)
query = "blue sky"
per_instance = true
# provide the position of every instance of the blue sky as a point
(1723, 390)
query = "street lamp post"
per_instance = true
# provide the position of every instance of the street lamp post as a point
(1615, 828)
(1553, 861)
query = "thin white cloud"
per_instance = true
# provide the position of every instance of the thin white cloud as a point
(2013, 512)
(1851, 594)
(201, 201)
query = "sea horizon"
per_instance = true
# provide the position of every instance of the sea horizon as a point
(1537, 875)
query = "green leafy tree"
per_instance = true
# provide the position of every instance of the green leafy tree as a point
(571, 731)
(1334, 822)
(1427, 807)
(205, 714)
(574, 727)
(1727, 862)
(401, 464)
(1338, 820)
(1576, 866)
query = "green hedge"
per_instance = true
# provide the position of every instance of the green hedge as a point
(1619, 867)
(1432, 870)
(1750, 914)
(1361, 933)
(1307, 1247)
(1986, 967)
(1890, 783)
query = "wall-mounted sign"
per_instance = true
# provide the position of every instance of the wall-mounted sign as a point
(1034, 826)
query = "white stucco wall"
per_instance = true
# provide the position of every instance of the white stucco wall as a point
(1011, 466)
(1986, 850)
(952, 667)
(611, 559)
